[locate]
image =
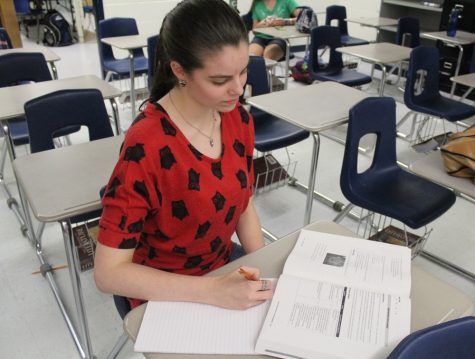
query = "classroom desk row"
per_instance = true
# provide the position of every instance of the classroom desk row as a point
(61, 172)
(381, 54)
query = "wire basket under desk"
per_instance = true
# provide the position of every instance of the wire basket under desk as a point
(376, 227)
(270, 174)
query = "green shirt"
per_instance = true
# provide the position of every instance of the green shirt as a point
(282, 9)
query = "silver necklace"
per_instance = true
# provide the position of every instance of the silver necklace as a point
(213, 120)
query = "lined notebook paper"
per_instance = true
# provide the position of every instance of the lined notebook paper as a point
(184, 327)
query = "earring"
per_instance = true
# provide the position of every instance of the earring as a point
(182, 83)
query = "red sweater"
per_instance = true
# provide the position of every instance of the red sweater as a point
(175, 206)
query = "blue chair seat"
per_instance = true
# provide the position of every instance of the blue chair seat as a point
(344, 76)
(401, 195)
(272, 133)
(444, 107)
(122, 66)
(347, 40)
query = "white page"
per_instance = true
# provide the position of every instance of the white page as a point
(186, 327)
(351, 261)
(310, 319)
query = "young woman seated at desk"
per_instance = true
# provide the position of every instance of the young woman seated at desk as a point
(183, 182)
(267, 13)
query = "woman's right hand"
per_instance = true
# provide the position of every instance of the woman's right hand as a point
(234, 291)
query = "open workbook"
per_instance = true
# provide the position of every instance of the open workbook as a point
(339, 297)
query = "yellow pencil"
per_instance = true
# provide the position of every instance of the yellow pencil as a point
(246, 274)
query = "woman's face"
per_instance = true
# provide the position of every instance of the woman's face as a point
(220, 82)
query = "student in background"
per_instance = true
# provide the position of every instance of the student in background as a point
(266, 13)
(183, 182)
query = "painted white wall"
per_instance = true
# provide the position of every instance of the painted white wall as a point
(149, 14)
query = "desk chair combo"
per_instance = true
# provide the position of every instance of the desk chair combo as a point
(452, 339)
(328, 37)
(422, 96)
(271, 133)
(112, 67)
(338, 13)
(15, 69)
(384, 189)
(46, 116)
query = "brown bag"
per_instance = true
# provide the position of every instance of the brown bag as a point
(459, 154)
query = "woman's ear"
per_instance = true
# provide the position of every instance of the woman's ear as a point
(177, 70)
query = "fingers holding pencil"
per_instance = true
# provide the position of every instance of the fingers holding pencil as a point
(249, 273)
(252, 274)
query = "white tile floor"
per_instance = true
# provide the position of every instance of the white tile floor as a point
(31, 324)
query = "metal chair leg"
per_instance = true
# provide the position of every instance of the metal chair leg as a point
(118, 346)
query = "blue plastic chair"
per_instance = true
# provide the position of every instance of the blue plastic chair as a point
(422, 94)
(5, 42)
(111, 66)
(452, 339)
(271, 132)
(337, 12)
(328, 36)
(152, 43)
(385, 188)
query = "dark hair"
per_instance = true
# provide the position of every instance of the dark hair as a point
(193, 29)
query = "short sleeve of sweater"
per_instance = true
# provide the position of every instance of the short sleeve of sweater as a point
(130, 194)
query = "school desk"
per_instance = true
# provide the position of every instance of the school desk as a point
(433, 301)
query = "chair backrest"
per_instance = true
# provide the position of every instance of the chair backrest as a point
(373, 115)
(23, 67)
(22, 6)
(322, 37)
(452, 339)
(5, 42)
(422, 82)
(408, 25)
(152, 43)
(337, 12)
(247, 20)
(112, 27)
(257, 76)
(48, 114)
